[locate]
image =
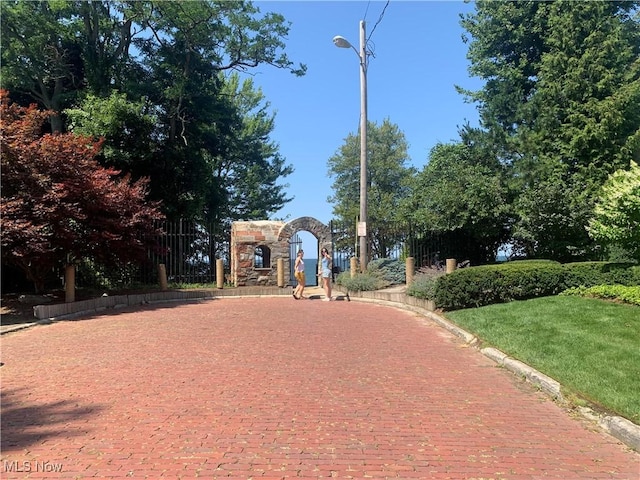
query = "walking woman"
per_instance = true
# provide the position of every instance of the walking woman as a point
(326, 274)
(298, 268)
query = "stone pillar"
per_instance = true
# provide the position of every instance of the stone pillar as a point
(410, 268)
(70, 283)
(162, 277)
(451, 265)
(219, 273)
(280, 272)
(353, 266)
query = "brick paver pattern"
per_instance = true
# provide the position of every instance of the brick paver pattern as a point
(274, 388)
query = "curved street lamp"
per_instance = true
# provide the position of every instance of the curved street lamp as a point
(342, 42)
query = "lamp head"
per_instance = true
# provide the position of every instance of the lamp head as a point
(341, 42)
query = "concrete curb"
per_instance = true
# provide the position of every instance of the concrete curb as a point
(618, 427)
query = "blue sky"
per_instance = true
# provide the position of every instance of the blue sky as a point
(419, 57)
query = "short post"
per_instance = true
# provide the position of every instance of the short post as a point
(162, 277)
(451, 265)
(70, 283)
(219, 273)
(280, 272)
(353, 266)
(410, 269)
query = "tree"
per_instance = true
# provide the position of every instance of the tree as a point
(560, 104)
(458, 197)
(165, 61)
(616, 217)
(58, 204)
(127, 131)
(40, 58)
(387, 183)
(250, 168)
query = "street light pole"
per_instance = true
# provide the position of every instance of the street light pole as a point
(362, 55)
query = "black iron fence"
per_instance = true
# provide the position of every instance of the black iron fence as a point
(189, 251)
(397, 241)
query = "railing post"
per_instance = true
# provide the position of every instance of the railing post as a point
(410, 269)
(451, 265)
(280, 272)
(353, 265)
(220, 273)
(70, 283)
(162, 277)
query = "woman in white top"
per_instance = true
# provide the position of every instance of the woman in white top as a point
(298, 269)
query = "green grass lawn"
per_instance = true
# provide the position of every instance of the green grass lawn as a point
(590, 346)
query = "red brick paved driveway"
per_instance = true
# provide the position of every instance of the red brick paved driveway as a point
(274, 388)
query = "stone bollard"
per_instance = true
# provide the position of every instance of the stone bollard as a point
(451, 265)
(410, 269)
(219, 273)
(280, 272)
(353, 265)
(162, 277)
(70, 283)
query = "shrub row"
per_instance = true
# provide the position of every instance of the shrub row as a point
(519, 280)
(359, 283)
(392, 272)
(623, 293)
(381, 273)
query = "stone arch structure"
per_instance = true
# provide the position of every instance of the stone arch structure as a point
(272, 236)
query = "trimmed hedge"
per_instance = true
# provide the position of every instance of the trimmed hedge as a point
(488, 284)
(589, 274)
(520, 280)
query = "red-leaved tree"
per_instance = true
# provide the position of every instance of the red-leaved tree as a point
(58, 203)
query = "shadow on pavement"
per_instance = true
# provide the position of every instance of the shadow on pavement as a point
(23, 424)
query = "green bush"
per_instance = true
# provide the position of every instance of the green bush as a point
(423, 286)
(360, 282)
(622, 293)
(393, 272)
(588, 274)
(488, 284)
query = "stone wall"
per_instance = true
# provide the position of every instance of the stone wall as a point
(275, 236)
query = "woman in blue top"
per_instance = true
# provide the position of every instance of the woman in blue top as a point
(326, 274)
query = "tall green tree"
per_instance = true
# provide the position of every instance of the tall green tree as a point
(250, 169)
(164, 61)
(40, 55)
(461, 199)
(127, 131)
(562, 82)
(388, 175)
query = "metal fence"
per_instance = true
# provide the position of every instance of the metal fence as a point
(187, 249)
(396, 241)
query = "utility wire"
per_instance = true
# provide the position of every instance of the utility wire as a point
(366, 11)
(379, 20)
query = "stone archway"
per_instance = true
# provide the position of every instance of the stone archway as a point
(256, 247)
(318, 229)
